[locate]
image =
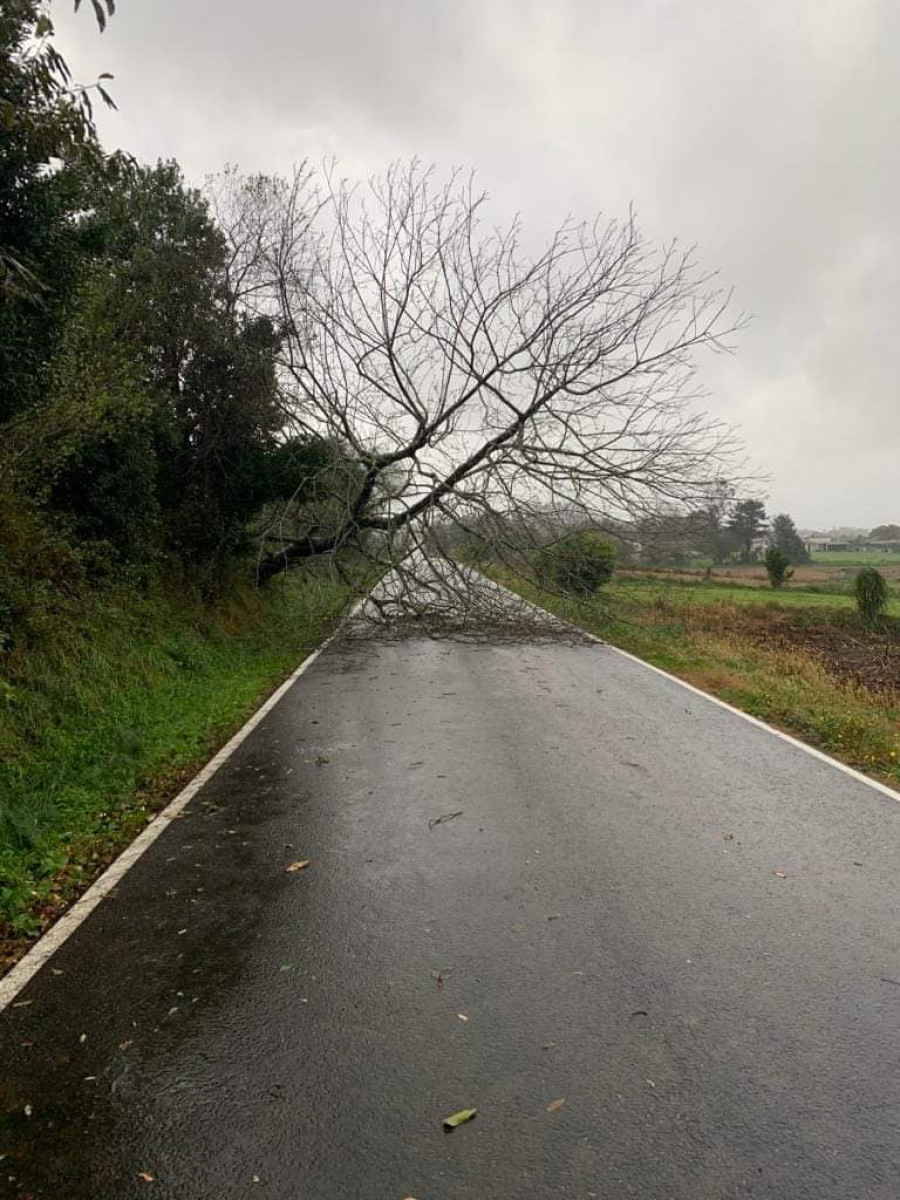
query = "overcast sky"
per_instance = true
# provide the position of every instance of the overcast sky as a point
(766, 131)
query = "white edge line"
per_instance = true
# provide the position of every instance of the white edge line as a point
(58, 933)
(785, 737)
(689, 687)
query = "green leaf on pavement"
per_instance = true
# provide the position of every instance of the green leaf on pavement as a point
(460, 1118)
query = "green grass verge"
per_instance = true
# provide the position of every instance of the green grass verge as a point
(678, 592)
(785, 687)
(101, 725)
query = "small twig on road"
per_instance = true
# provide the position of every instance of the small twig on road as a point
(446, 817)
(441, 976)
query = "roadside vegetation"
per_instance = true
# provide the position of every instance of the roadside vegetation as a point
(132, 694)
(143, 458)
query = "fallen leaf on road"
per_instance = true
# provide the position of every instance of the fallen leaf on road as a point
(728, 835)
(298, 866)
(146, 1177)
(446, 817)
(780, 874)
(460, 1118)
(556, 1104)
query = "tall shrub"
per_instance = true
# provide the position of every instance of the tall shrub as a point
(871, 593)
(778, 567)
(579, 563)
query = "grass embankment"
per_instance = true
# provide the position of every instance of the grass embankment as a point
(100, 725)
(761, 656)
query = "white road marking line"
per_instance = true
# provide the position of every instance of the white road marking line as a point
(25, 970)
(784, 737)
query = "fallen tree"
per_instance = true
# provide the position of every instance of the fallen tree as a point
(464, 375)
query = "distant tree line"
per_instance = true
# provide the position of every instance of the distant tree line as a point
(885, 533)
(725, 529)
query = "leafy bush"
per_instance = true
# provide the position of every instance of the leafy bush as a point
(579, 563)
(871, 593)
(40, 576)
(778, 566)
(90, 452)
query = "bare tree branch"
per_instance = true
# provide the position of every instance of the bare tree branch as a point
(467, 374)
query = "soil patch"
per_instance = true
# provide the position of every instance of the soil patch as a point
(870, 658)
(829, 577)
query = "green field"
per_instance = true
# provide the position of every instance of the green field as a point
(680, 592)
(856, 558)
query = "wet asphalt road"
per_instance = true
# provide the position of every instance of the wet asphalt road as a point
(235, 1030)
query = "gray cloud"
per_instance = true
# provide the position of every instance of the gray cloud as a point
(764, 132)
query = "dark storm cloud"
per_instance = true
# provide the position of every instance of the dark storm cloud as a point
(765, 132)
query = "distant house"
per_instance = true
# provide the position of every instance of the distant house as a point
(814, 544)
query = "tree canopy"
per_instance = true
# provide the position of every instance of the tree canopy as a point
(140, 418)
(747, 522)
(885, 533)
(785, 537)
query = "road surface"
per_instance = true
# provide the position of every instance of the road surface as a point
(538, 873)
